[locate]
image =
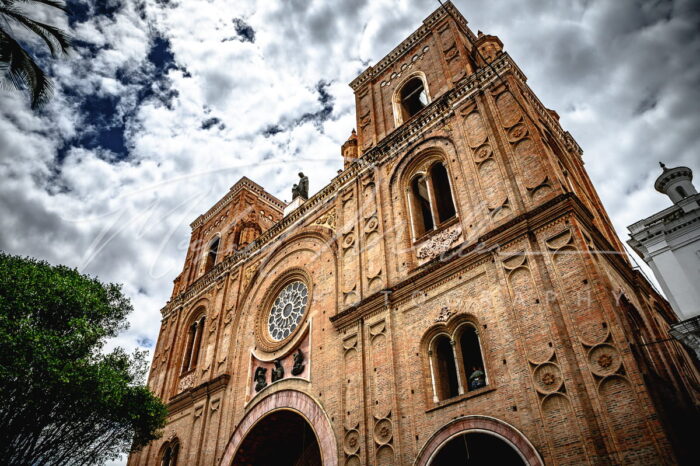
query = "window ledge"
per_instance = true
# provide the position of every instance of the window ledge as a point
(437, 230)
(459, 398)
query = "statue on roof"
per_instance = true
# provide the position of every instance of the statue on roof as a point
(301, 189)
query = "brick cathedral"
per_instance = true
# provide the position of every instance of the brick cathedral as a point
(456, 295)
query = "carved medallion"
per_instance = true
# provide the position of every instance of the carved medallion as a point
(604, 360)
(548, 378)
(438, 244)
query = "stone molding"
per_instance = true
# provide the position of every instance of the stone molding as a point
(291, 400)
(482, 424)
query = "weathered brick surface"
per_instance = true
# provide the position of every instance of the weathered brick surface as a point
(532, 263)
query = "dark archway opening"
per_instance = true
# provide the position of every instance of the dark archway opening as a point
(283, 438)
(477, 448)
(448, 386)
(443, 194)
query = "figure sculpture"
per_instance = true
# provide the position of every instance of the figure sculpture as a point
(301, 189)
(278, 371)
(298, 367)
(260, 378)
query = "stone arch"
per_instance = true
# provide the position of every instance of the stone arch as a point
(482, 424)
(292, 400)
(396, 96)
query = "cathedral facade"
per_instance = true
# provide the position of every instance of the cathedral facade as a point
(456, 293)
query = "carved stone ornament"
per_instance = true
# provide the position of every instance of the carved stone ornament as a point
(383, 431)
(260, 378)
(298, 367)
(278, 371)
(444, 315)
(604, 360)
(327, 220)
(548, 378)
(249, 272)
(438, 244)
(352, 441)
(186, 382)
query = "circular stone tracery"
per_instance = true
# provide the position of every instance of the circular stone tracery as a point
(287, 310)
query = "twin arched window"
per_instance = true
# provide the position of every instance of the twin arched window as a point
(193, 344)
(171, 450)
(430, 199)
(456, 363)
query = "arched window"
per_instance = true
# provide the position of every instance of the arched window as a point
(194, 341)
(681, 192)
(171, 450)
(445, 368)
(443, 193)
(455, 359)
(471, 358)
(211, 254)
(422, 214)
(431, 199)
(413, 98)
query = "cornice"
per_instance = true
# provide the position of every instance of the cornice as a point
(243, 183)
(405, 46)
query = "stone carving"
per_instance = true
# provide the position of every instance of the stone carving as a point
(383, 431)
(438, 244)
(301, 189)
(278, 371)
(186, 382)
(260, 378)
(249, 272)
(444, 315)
(298, 367)
(548, 378)
(352, 441)
(327, 220)
(604, 359)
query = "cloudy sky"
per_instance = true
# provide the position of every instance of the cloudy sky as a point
(164, 104)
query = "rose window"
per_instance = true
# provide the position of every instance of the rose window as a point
(287, 310)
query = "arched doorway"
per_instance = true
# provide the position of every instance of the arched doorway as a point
(297, 404)
(478, 440)
(282, 438)
(476, 448)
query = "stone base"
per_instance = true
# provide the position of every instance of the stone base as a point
(292, 206)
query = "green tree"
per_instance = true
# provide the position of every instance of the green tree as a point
(62, 399)
(18, 65)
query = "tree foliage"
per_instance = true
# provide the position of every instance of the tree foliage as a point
(17, 64)
(62, 399)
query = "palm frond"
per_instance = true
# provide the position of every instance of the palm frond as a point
(23, 72)
(54, 3)
(57, 40)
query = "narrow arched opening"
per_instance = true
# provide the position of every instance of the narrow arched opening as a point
(422, 214)
(193, 344)
(446, 377)
(472, 358)
(477, 448)
(413, 98)
(282, 438)
(443, 193)
(212, 253)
